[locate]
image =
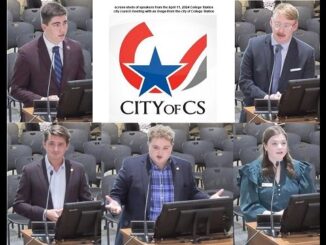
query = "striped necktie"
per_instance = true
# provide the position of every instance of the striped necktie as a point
(277, 67)
(57, 65)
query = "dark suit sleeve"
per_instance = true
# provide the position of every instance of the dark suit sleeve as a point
(84, 192)
(21, 79)
(22, 204)
(119, 191)
(309, 68)
(246, 81)
(81, 74)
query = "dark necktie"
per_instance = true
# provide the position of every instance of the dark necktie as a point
(277, 67)
(57, 65)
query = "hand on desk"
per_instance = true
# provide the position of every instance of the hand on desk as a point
(51, 97)
(276, 96)
(217, 194)
(53, 214)
(112, 205)
(277, 213)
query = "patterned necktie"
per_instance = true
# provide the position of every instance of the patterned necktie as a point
(277, 67)
(57, 65)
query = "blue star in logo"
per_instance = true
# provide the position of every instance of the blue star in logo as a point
(155, 74)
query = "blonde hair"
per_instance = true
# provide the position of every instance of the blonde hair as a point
(288, 10)
(161, 131)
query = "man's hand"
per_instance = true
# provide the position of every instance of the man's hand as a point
(51, 97)
(53, 214)
(217, 194)
(276, 96)
(113, 206)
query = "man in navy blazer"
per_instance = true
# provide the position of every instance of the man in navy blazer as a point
(166, 179)
(298, 58)
(67, 182)
(33, 64)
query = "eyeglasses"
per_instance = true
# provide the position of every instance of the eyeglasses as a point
(285, 26)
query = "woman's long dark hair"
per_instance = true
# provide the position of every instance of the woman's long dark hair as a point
(267, 165)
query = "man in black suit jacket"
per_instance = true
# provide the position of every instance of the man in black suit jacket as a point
(159, 168)
(67, 183)
(298, 59)
(32, 68)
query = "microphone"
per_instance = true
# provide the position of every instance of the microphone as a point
(145, 211)
(46, 208)
(48, 90)
(272, 232)
(270, 88)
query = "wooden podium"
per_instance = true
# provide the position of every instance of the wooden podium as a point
(261, 238)
(256, 118)
(135, 241)
(27, 237)
(29, 117)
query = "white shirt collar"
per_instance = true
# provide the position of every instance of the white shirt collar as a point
(49, 167)
(285, 46)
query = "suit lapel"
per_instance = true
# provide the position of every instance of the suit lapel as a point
(66, 57)
(145, 179)
(45, 58)
(177, 178)
(269, 56)
(69, 169)
(289, 62)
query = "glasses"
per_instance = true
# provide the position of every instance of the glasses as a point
(285, 26)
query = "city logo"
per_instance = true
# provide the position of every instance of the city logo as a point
(156, 76)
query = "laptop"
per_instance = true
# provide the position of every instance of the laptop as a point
(137, 227)
(261, 106)
(38, 229)
(41, 107)
(264, 221)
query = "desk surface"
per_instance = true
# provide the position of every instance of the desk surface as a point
(29, 117)
(261, 238)
(27, 236)
(134, 241)
(256, 118)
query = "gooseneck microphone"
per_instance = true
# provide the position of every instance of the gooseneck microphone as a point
(270, 88)
(272, 213)
(146, 204)
(46, 208)
(48, 90)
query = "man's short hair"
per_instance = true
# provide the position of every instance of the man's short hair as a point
(50, 10)
(288, 10)
(161, 131)
(57, 130)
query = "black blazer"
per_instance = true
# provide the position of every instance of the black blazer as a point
(31, 71)
(131, 186)
(257, 65)
(33, 187)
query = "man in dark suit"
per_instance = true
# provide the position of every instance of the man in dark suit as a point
(67, 180)
(32, 68)
(257, 67)
(167, 178)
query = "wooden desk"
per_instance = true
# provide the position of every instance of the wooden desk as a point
(135, 241)
(261, 238)
(27, 237)
(29, 117)
(256, 118)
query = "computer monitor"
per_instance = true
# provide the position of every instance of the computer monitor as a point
(302, 213)
(202, 219)
(300, 98)
(79, 219)
(76, 99)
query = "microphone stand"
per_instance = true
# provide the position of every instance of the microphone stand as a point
(272, 231)
(146, 204)
(46, 208)
(270, 116)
